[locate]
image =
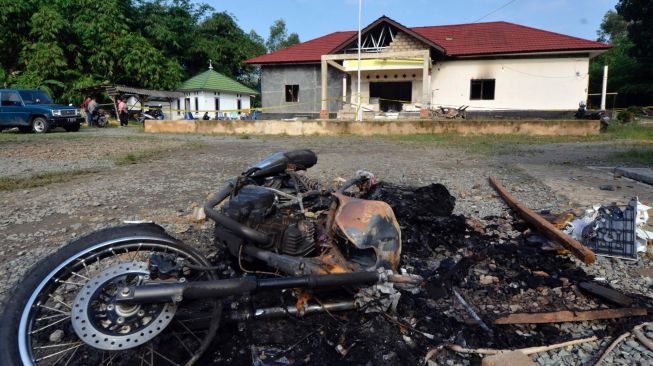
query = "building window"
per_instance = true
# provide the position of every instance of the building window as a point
(239, 105)
(292, 93)
(197, 104)
(178, 106)
(482, 89)
(217, 104)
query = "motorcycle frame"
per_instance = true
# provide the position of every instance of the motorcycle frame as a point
(165, 291)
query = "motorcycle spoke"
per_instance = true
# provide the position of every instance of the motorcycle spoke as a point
(60, 352)
(164, 357)
(79, 275)
(85, 267)
(50, 317)
(71, 357)
(190, 331)
(57, 345)
(110, 360)
(69, 283)
(53, 309)
(182, 343)
(54, 298)
(136, 252)
(49, 325)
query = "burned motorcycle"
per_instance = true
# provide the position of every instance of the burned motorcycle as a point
(135, 295)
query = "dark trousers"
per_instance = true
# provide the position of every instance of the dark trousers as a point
(123, 118)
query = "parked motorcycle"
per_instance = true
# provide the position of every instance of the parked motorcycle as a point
(134, 295)
(99, 118)
(602, 116)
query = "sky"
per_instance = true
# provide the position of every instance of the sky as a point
(315, 18)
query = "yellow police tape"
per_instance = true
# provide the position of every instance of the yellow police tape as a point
(262, 108)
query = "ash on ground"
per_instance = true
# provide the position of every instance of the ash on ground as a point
(496, 264)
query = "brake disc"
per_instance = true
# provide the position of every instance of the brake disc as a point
(104, 324)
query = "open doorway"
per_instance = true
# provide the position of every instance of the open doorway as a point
(392, 94)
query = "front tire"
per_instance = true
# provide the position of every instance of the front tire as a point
(102, 121)
(38, 325)
(40, 125)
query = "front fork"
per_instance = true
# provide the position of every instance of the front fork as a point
(153, 292)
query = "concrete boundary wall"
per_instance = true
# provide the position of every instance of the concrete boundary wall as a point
(369, 128)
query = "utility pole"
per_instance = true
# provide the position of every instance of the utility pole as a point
(359, 111)
(604, 90)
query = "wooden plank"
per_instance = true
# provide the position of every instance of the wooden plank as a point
(575, 247)
(570, 316)
(606, 293)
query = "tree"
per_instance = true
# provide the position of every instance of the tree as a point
(279, 37)
(218, 38)
(639, 15)
(613, 27)
(64, 46)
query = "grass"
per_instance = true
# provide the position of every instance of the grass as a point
(509, 144)
(43, 179)
(26, 137)
(140, 156)
(643, 156)
(38, 180)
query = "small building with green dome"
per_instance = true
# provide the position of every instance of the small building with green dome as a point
(214, 93)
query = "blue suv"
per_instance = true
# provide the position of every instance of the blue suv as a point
(33, 110)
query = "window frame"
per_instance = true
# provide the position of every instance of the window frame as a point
(483, 84)
(291, 93)
(19, 99)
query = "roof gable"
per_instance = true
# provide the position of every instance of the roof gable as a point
(477, 39)
(215, 81)
(394, 24)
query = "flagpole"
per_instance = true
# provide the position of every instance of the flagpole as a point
(359, 111)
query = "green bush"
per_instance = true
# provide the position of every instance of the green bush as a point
(635, 110)
(626, 116)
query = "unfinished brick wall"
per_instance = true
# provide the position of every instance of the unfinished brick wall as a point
(404, 42)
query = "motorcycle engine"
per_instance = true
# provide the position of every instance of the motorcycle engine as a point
(256, 207)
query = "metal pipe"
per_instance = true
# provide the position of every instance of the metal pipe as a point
(232, 225)
(281, 311)
(471, 312)
(359, 111)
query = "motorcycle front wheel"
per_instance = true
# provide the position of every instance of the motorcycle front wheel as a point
(64, 313)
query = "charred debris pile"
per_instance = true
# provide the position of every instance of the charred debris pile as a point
(478, 274)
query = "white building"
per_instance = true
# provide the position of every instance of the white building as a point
(214, 93)
(494, 67)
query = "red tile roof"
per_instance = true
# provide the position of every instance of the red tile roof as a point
(501, 37)
(309, 51)
(476, 39)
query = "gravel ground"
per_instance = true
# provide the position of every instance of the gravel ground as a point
(37, 221)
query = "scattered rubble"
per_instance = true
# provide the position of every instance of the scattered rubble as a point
(488, 264)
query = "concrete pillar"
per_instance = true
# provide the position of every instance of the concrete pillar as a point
(324, 110)
(426, 90)
(604, 89)
(344, 87)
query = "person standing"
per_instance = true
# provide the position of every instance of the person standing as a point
(92, 107)
(87, 114)
(122, 112)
